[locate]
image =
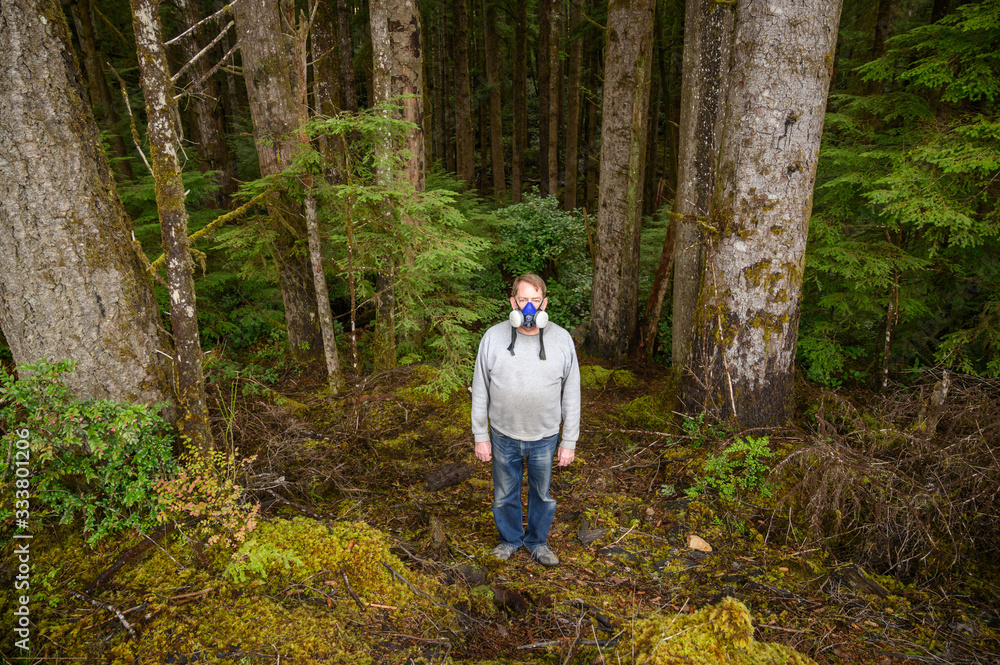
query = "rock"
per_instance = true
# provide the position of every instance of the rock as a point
(587, 536)
(696, 543)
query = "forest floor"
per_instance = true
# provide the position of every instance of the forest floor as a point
(357, 560)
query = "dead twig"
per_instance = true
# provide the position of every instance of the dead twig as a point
(110, 608)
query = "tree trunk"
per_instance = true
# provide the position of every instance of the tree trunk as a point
(555, 99)
(448, 67)
(496, 116)
(329, 99)
(327, 72)
(520, 99)
(397, 67)
(437, 64)
(209, 135)
(482, 105)
(649, 184)
(883, 22)
(161, 109)
(350, 92)
(100, 95)
(278, 107)
(573, 107)
(593, 154)
(73, 283)
(628, 56)
(543, 62)
(334, 376)
(465, 148)
(708, 37)
(747, 318)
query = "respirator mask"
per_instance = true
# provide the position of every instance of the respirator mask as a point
(529, 317)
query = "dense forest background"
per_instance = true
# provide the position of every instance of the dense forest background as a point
(247, 246)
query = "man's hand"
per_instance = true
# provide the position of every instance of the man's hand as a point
(484, 451)
(566, 455)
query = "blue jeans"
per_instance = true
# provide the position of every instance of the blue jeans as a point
(508, 471)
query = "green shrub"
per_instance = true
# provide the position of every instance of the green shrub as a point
(738, 469)
(537, 236)
(98, 459)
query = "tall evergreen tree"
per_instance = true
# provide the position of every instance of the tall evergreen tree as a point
(73, 284)
(746, 322)
(278, 109)
(627, 68)
(161, 111)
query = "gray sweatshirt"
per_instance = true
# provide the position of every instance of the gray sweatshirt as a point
(522, 395)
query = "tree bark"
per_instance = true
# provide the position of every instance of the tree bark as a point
(397, 68)
(73, 283)
(555, 98)
(496, 115)
(543, 62)
(278, 107)
(161, 110)
(438, 92)
(209, 135)
(350, 93)
(573, 107)
(746, 322)
(520, 99)
(100, 94)
(465, 146)
(708, 36)
(593, 154)
(627, 69)
(327, 72)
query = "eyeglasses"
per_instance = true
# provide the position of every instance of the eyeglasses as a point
(521, 302)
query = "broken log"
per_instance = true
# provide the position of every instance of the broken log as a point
(448, 475)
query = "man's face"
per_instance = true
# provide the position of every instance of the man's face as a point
(528, 293)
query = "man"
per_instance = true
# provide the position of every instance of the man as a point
(527, 381)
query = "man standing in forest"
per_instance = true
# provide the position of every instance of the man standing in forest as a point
(526, 382)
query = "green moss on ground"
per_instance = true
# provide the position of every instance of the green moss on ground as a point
(720, 633)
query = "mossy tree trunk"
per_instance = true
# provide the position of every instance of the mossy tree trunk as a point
(573, 106)
(397, 60)
(278, 107)
(708, 39)
(208, 119)
(746, 322)
(520, 81)
(161, 111)
(465, 145)
(627, 61)
(73, 283)
(100, 95)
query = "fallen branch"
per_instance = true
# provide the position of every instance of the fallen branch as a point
(350, 590)
(110, 608)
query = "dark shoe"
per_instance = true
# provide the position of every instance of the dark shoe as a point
(545, 556)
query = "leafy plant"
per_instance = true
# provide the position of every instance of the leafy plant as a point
(738, 469)
(537, 236)
(205, 488)
(95, 459)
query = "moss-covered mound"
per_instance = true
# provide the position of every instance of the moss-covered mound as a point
(721, 633)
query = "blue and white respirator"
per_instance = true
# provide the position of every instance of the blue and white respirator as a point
(529, 317)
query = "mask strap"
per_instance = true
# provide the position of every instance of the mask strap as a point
(513, 338)
(541, 342)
